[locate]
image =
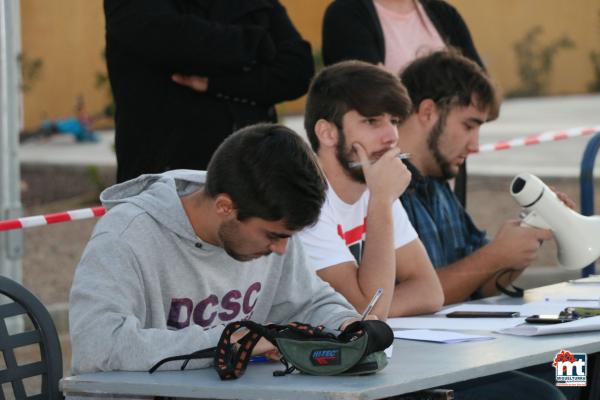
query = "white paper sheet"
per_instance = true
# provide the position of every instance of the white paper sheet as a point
(441, 322)
(552, 305)
(580, 325)
(576, 299)
(428, 335)
(480, 307)
(590, 280)
(389, 351)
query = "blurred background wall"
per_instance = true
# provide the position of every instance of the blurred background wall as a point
(63, 43)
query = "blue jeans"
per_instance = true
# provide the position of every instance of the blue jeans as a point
(547, 373)
(513, 385)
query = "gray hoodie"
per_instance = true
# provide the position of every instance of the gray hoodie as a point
(148, 288)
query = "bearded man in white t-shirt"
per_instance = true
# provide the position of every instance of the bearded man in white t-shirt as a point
(363, 239)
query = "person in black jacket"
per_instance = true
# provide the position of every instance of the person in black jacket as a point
(187, 73)
(352, 29)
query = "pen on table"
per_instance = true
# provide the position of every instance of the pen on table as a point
(402, 156)
(590, 280)
(598, 299)
(574, 299)
(258, 359)
(372, 303)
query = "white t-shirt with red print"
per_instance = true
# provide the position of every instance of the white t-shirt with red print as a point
(340, 233)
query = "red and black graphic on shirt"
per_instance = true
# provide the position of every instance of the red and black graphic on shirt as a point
(354, 239)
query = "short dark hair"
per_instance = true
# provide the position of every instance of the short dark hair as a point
(269, 172)
(353, 85)
(448, 78)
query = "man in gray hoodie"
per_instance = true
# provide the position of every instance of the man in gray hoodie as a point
(180, 254)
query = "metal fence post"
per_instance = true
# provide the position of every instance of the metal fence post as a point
(11, 243)
(586, 185)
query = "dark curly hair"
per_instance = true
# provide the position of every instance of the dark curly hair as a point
(450, 79)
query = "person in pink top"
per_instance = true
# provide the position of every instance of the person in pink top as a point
(407, 33)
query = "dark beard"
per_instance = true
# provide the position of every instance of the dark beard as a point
(227, 233)
(433, 142)
(343, 156)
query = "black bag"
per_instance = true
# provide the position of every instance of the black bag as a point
(357, 350)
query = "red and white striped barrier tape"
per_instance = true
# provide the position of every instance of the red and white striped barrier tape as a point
(537, 139)
(38, 220)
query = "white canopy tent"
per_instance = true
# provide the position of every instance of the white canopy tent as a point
(11, 242)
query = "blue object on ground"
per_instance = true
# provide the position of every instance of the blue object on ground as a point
(71, 126)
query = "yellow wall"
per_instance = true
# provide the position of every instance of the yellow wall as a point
(497, 24)
(307, 16)
(68, 35)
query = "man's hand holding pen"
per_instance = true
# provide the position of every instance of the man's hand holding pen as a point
(366, 313)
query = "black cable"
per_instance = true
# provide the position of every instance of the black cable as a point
(510, 289)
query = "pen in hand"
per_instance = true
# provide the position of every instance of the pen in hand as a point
(372, 303)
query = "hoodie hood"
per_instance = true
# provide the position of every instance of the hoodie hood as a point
(153, 193)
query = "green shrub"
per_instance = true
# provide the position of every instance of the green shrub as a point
(535, 62)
